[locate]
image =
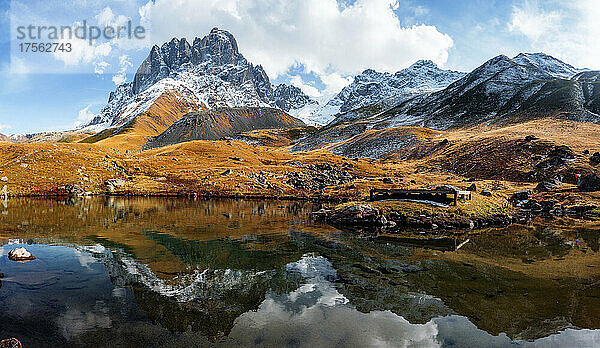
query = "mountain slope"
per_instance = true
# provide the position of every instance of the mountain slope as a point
(499, 89)
(372, 87)
(219, 123)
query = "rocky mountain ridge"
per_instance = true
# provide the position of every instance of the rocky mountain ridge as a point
(211, 72)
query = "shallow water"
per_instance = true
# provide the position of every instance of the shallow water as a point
(174, 272)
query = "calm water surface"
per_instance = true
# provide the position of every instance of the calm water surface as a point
(174, 272)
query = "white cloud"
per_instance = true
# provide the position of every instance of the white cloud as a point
(569, 31)
(100, 67)
(315, 33)
(532, 21)
(4, 127)
(124, 64)
(309, 90)
(84, 116)
(334, 83)
(106, 17)
(81, 51)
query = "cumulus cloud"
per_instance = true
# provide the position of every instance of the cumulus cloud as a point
(567, 30)
(84, 116)
(82, 51)
(309, 90)
(317, 34)
(106, 17)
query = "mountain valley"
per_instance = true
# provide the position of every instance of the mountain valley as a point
(199, 120)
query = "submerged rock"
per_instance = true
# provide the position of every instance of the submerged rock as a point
(20, 255)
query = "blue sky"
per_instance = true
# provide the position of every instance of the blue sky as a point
(317, 45)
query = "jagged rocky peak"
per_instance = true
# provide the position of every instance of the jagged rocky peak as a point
(209, 55)
(371, 86)
(289, 97)
(219, 47)
(423, 64)
(210, 72)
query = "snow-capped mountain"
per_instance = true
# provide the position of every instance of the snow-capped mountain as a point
(372, 87)
(549, 64)
(209, 73)
(532, 84)
(290, 98)
(501, 90)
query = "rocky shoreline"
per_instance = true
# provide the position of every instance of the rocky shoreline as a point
(366, 218)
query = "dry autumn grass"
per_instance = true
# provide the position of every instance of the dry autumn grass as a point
(494, 158)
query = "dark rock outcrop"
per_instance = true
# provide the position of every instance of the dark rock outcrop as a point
(219, 123)
(522, 195)
(589, 183)
(357, 215)
(548, 185)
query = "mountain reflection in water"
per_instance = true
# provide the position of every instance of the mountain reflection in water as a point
(174, 272)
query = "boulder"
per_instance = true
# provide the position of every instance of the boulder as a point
(20, 255)
(548, 205)
(557, 157)
(388, 181)
(548, 185)
(589, 183)
(5, 179)
(532, 205)
(356, 215)
(472, 188)
(73, 190)
(595, 159)
(522, 195)
(113, 184)
(486, 193)
(531, 138)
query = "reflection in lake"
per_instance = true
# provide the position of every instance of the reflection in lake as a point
(174, 272)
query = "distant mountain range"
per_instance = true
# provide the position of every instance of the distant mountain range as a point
(524, 87)
(208, 90)
(211, 73)
(500, 91)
